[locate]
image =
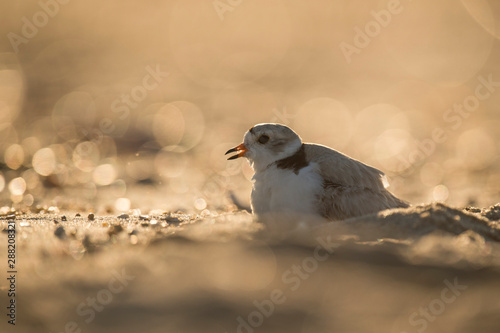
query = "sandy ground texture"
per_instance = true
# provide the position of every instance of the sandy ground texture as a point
(429, 268)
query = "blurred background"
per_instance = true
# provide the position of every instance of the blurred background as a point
(114, 105)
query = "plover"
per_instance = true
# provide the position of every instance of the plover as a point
(292, 177)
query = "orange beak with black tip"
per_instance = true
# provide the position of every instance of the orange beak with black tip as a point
(241, 150)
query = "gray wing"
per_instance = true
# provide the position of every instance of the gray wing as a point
(351, 188)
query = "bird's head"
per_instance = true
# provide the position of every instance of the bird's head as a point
(264, 144)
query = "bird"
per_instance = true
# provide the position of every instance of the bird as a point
(296, 178)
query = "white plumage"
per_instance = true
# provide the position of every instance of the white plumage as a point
(298, 178)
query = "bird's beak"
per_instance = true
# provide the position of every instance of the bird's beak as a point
(241, 150)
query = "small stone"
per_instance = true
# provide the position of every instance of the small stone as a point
(56, 222)
(53, 210)
(145, 224)
(144, 217)
(11, 217)
(115, 229)
(60, 233)
(171, 219)
(134, 239)
(105, 224)
(78, 215)
(123, 216)
(88, 245)
(5, 210)
(63, 218)
(91, 217)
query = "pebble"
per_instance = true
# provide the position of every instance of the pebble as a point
(53, 210)
(5, 210)
(11, 217)
(63, 218)
(115, 229)
(144, 217)
(78, 215)
(60, 233)
(123, 216)
(171, 219)
(88, 245)
(134, 239)
(91, 217)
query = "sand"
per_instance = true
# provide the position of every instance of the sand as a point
(429, 268)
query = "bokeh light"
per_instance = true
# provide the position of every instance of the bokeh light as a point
(179, 126)
(393, 148)
(104, 174)
(14, 156)
(200, 204)
(44, 161)
(28, 200)
(86, 156)
(440, 193)
(17, 186)
(2, 182)
(122, 204)
(31, 178)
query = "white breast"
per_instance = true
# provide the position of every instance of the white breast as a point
(282, 191)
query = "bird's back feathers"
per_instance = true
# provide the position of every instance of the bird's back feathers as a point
(350, 187)
(342, 169)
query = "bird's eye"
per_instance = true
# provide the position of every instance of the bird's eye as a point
(263, 139)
